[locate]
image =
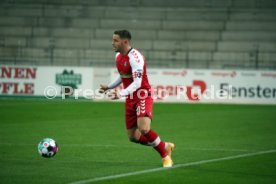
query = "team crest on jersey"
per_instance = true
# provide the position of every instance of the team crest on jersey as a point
(125, 64)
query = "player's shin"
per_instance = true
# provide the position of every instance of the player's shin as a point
(155, 141)
(143, 140)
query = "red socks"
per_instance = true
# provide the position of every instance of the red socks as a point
(152, 139)
(143, 140)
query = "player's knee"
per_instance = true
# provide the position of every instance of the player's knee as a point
(143, 130)
(144, 125)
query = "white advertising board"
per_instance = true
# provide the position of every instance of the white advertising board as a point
(42, 80)
(212, 86)
(169, 85)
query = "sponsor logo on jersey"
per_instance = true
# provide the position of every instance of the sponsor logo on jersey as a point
(135, 55)
(137, 74)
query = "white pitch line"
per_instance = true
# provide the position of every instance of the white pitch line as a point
(92, 180)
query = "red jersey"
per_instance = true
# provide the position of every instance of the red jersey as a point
(132, 69)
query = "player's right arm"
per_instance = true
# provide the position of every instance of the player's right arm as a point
(115, 83)
(112, 85)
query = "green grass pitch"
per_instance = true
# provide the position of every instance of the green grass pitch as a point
(93, 143)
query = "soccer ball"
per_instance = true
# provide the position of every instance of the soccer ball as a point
(47, 148)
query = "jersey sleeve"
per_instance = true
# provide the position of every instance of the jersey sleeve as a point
(136, 61)
(115, 83)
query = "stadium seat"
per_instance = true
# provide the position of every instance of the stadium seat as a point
(101, 44)
(16, 21)
(189, 35)
(165, 55)
(15, 31)
(72, 32)
(19, 11)
(231, 56)
(249, 36)
(130, 24)
(99, 54)
(193, 25)
(50, 32)
(142, 44)
(246, 46)
(63, 11)
(14, 41)
(197, 14)
(48, 42)
(133, 13)
(200, 56)
(176, 33)
(136, 33)
(184, 46)
(251, 25)
(265, 15)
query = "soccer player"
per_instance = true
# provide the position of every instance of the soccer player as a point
(131, 66)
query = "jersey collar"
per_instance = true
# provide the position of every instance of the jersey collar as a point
(129, 50)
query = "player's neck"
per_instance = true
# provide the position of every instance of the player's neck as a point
(126, 50)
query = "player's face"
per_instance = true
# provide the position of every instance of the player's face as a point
(117, 43)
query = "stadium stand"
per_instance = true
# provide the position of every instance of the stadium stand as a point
(171, 34)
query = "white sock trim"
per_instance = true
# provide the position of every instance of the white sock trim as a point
(156, 142)
(166, 146)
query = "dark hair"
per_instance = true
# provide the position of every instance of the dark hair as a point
(123, 34)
